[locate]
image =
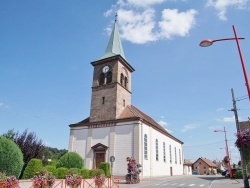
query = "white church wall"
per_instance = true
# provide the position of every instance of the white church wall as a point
(123, 147)
(78, 141)
(152, 167)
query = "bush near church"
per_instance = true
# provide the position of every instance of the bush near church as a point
(33, 166)
(70, 160)
(106, 168)
(62, 172)
(11, 156)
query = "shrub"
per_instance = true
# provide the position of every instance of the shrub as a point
(70, 160)
(51, 169)
(238, 174)
(33, 166)
(62, 172)
(95, 172)
(12, 157)
(52, 162)
(106, 168)
(85, 173)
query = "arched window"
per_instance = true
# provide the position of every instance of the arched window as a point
(164, 152)
(109, 77)
(145, 146)
(125, 82)
(156, 150)
(170, 154)
(101, 79)
(121, 79)
(175, 155)
(180, 155)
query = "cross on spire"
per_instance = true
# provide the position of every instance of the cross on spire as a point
(116, 15)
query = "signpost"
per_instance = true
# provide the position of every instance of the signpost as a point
(112, 159)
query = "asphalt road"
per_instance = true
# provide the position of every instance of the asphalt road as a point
(192, 181)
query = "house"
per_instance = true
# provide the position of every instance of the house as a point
(205, 166)
(116, 129)
(187, 167)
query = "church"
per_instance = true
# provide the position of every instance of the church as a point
(116, 129)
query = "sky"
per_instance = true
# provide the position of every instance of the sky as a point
(46, 48)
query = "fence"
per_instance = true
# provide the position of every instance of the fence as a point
(85, 183)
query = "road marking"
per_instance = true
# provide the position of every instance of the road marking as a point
(191, 185)
(202, 185)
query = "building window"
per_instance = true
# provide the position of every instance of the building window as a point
(125, 82)
(164, 152)
(156, 150)
(204, 167)
(180, 155)
(101, 79)
(109, 77)
(145, 146)
(121, 79)
(175, 156)
(170, 154)
(124, 103)
(103, 100)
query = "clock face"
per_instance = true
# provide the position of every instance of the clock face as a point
(105, 69)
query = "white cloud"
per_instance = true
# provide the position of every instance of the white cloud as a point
(2, 105)
(227, 119)
(188, 128)
(222, 5)
(214, 128)
(144, 3)
(162, 123)
(176, 23)
(219, 109)
(137, 27)
(169, 130)
(141, 25)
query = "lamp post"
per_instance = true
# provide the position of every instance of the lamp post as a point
(227, 153)
(209, 42)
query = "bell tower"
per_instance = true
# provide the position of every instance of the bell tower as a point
(111, 87)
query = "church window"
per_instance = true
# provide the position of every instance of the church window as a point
(101, 79)
(175, 157)
(145, 146)
(180, 155)
(170, 154)
(164, 152)
(121, 79)
(103, 100)
(109, 77)
(156, 150)
(125, 82)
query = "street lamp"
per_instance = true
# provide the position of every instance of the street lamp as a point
(227, 153)
(209, 42)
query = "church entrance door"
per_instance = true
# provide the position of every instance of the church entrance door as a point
(171, 171)
(99, 157)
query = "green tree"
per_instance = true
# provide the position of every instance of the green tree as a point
(70, 160)
(11, 157)
(33, 166)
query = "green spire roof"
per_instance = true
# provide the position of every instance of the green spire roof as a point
(114, 46)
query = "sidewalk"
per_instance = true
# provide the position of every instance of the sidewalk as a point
(227, 183)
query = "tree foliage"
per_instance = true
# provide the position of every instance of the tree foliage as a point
(11, 157)
(33, 166)
(70, 160)
(29, 144)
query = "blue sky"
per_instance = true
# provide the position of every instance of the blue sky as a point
(46, 48)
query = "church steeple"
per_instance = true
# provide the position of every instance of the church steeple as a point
(114, 46)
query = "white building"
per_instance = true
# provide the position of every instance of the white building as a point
(117, 128)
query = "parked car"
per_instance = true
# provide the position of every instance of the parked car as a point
(195, 172)
(224, 173)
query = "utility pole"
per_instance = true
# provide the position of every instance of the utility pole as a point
(243, 162)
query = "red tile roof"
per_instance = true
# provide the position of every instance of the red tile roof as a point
(130, 113)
